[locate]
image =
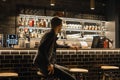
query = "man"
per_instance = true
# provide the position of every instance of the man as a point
(46, 57)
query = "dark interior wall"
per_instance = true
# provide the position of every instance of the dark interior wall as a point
(110, 10)
(113, 14)
(7, 19)
(117, 22)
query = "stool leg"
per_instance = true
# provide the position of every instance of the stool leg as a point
(42, 79)
(81, 77)
(110, 78)
(103, 78)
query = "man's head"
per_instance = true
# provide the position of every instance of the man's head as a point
(56, 23)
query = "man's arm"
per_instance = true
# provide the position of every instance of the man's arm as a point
(66, 46)
(46, 47)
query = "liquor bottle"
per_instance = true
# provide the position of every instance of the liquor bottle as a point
(106, 43)
(43, 23)
(22, 21)
(19, 21)
(25, 22)
(31, 22)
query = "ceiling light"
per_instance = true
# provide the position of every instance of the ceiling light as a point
(52, 2)
(92, 4)
(92, 8)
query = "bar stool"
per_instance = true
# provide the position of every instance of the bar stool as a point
(45, 78)
(79, 73)
(53, 78)
(108, 68)
(8, 75)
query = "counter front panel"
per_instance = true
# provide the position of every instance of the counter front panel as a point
(21, 61)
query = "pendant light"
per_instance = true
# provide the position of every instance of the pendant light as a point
(92, 4)
(52, 2)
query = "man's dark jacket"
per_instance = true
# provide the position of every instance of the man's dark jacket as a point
(47, 51)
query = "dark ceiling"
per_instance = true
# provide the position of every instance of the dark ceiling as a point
(81, 6)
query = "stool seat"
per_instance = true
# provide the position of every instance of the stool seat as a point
(78, 70)
(109, 67)
(8, 74)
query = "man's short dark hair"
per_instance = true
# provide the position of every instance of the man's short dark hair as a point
(55, 22)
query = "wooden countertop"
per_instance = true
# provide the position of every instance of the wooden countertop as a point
(58, 49)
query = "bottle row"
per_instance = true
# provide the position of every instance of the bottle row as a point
(31, 22)
(35, 26)
(36, 33)
(39, 22)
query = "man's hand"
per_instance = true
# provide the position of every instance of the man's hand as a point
(51, 69)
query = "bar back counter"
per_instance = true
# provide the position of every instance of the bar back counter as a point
(21, 62)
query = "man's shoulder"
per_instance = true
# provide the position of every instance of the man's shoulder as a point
(49, 33)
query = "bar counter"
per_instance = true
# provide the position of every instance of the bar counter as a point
(21, 61)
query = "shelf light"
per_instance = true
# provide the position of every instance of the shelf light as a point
(92, 4)
(52, 2)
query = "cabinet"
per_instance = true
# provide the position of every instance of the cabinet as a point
(33, 27)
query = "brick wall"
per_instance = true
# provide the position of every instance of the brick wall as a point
(21, 61)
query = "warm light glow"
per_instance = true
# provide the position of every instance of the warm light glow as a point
(92, 8)
(52, 4)
(92, 4)
(4, 0)
(78, 70)
(109, 67)
(4, 74)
